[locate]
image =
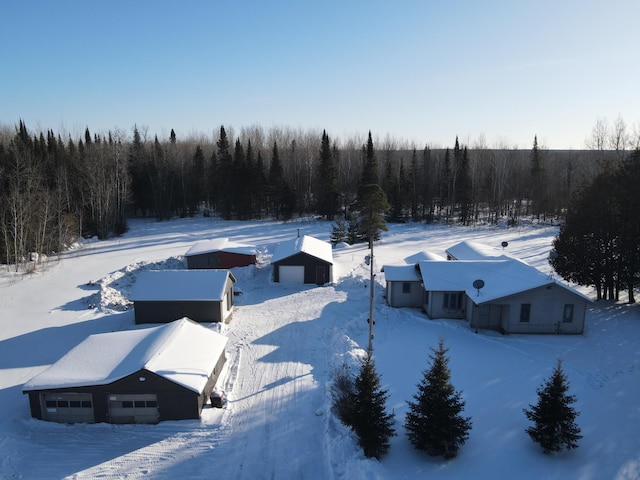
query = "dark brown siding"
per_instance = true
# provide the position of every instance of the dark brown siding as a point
(310, 264)
(213, 260)
(175, 402)
(164, 312)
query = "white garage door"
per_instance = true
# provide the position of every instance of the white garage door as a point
(291, 274)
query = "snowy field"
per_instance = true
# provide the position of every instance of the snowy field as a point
(285, 342)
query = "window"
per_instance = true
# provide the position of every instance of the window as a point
(127, 404)
(406, 287)
(567, 315)
(525, 312)
(452, 301)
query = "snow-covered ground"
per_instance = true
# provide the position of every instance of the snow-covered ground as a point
(284, 344)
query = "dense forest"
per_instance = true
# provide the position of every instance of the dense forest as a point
(55, 188)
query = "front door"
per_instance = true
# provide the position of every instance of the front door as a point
(321, 275)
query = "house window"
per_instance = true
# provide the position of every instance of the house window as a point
(567, 315)
(525, 312)
(406, 287)
(452, 301)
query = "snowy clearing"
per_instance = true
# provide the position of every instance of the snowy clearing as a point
(285, 341)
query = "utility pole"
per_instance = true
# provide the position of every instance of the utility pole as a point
(370, 348)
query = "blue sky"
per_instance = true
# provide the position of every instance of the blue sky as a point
(421, 70)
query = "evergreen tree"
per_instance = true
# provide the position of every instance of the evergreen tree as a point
(371, 206)
(370, 167)
(585, 248)
(197, 192)
(371, 422)
(553, 416)
(339, 232)
(212, 181)
(434, 422)
(259, 182)
(225, 175)
(343, 395)
(463, 186)
(536, 184)
(327, 193)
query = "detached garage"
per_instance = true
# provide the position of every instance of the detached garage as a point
(220, 253)
(303, 260)
(161, 296)
(145, 375)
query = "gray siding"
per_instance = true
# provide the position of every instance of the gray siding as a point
(396, 297)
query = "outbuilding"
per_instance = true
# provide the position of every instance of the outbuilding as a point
(144, 375)
(161, 296)
(303, 260)
(220, 253)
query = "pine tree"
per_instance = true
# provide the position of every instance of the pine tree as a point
(225, 175)
(434, 422)
(327, 193)
(339, 231)
(371, 422)
(553, 416)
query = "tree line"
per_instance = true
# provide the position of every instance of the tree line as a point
(599, 245)
(55, 188)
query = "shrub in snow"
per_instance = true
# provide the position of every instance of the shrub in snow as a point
(343, 395)
(434, 422)
(553, 417)
(371, 422)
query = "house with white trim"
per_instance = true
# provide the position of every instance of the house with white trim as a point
(490, 290)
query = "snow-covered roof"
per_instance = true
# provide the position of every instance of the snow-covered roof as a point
(182, 351)
(468, 250)
(220, 244)
(305, 244)
(423, 255)
(157, 285)
(401, 273)
(501, 277)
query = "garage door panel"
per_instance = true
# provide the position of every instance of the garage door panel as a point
(291, 274)
(133, 408)
(68, 407)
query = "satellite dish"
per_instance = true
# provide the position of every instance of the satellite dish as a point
(504, 244)
(478, 284)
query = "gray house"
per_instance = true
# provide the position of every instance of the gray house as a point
(303, 260)
(161, 296)
(503, 294)
(145, 375)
